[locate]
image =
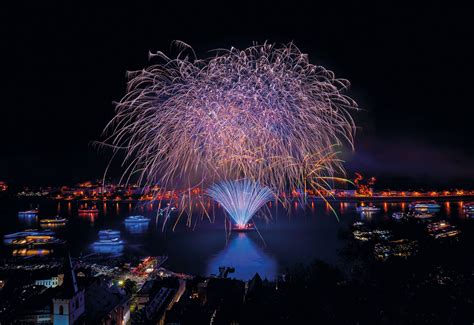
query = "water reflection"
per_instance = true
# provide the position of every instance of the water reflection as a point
(28, 220)
(102, 247)
(26, 252)
(137, 228)
(447, 207)
(316, 229)
(246, 257)
(367, 215)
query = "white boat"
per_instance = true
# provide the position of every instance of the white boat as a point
(26, 213)
(9, 238)
(398, 215)
(108, 246)
(368, 209)
(136, 219)
(423, 215)
(109, 234)
(424, 205)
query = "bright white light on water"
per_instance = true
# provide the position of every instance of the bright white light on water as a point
(241, 199)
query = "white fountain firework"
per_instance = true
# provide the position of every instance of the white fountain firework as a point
(241, 198)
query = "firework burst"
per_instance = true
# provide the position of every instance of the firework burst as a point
(264, 113)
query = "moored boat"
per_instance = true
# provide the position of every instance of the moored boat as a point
(423, 215)
(88, 210)
(53, 221)
(368, 209)
(37, 240)
(424, 206)
(7, 239)
(468, 208)
(358, 224)
(26, 213)
(399, 215)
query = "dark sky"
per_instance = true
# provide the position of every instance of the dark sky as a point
(411, 71)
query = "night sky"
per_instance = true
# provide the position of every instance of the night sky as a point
(410, 67)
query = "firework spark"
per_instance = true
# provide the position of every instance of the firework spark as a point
(264, 113)
(241, 199)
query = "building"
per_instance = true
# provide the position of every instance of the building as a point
(52, 282)
(69, 302)
(154, 299)
(37, 308)
(106, 304)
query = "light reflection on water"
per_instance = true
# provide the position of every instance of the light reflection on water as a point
(28, 220)
(137, 228)
(297, 235)
(27, 252)
(107, 249)
(246, 256)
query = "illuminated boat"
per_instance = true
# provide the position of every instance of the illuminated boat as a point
(88, 210)
(37, 240)
(424, 205)
(108, 242)
(468, 208)
(396, 248)
(136, 220)
(448, 233)
(28, 213)
(109, 234)
(244, 227)
(437, 226)
(108, 246)
(358, 224)
(51, 222)
(442, 229)
(423, 215)
(368, 209)
(399, 215)
(7, 239)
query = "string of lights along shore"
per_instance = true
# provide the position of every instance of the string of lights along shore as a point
(240, 126)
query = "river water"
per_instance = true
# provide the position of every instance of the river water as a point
(290, 236)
